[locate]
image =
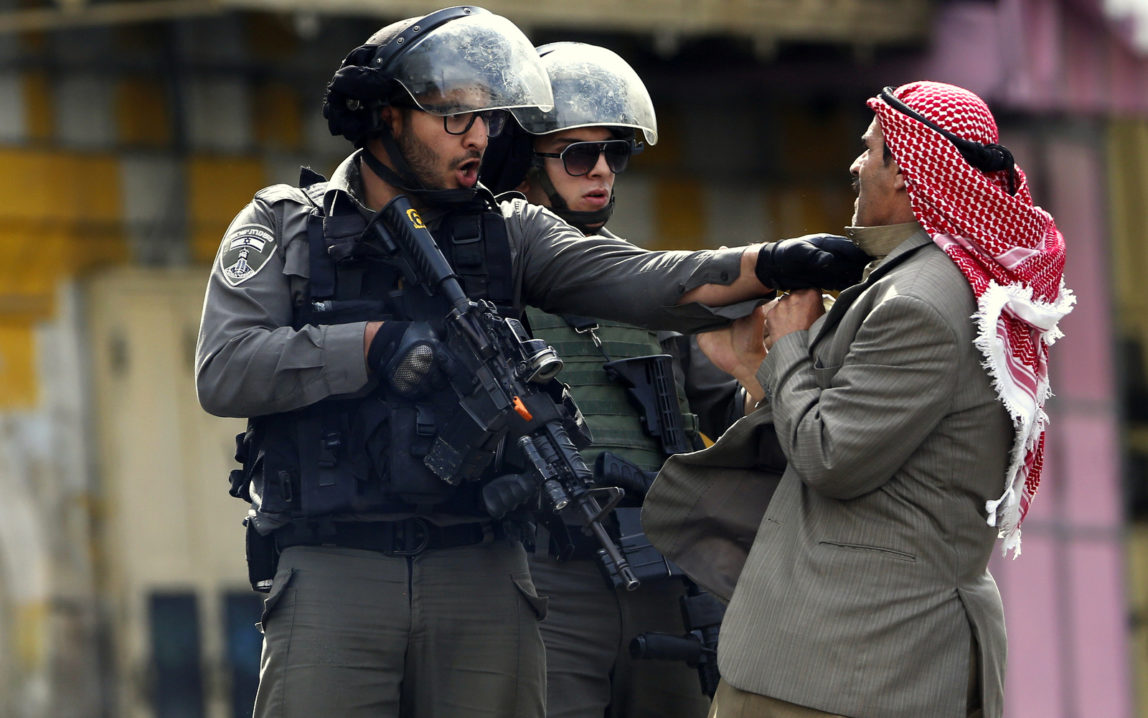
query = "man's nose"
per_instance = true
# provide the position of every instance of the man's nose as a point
(476, 137)
(601, 167)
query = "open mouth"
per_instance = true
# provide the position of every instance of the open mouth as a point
(596, 198)
(467, 173)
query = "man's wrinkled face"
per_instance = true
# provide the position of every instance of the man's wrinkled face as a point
(439, 159)
(587, 193)
(879, 184)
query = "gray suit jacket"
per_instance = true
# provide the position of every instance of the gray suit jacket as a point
(867, 579)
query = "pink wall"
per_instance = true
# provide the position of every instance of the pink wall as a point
(1037, 56)
(1065, 597)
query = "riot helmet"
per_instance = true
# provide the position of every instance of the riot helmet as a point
(453, 61)
(593, 87)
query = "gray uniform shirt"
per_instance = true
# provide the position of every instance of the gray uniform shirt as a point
(250, 361)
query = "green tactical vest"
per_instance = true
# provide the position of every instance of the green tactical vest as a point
(615, 423)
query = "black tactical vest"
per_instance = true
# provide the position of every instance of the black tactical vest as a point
(363, 454)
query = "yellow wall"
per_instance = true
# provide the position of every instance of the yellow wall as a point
(59, 215)
(1127, 190)
(218, 187)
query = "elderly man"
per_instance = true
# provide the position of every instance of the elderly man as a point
(910, 421)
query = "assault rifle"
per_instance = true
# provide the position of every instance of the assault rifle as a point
(504, 388)
(649, 382)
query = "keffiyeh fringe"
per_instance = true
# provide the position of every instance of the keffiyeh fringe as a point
(1028, 416)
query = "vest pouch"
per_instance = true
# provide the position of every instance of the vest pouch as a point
(413, 431)
(275, 474)
(333, 467)
(647, 563)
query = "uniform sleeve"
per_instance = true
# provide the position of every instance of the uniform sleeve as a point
(563, 272)
(894, 386)
(249, 360)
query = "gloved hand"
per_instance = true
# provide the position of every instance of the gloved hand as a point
(504, 494)
(821, 261)
(408, 356)
(612, 470)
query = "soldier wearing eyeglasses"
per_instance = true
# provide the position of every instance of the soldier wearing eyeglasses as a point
(391, 591)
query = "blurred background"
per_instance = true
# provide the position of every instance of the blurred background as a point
(131, 131)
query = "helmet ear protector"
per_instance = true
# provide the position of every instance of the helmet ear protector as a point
(362, 84)
(986, 158)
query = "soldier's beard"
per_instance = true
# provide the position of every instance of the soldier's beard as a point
(422, 160)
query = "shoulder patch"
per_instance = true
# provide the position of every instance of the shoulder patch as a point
(246, 251)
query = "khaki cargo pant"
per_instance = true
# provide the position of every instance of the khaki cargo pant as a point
(450, 633)
(587, 632)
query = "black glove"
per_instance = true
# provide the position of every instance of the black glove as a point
(824, 261)
(408, 356)
(504, 494)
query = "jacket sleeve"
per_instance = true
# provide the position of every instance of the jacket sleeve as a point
(894, 386)
(563, 272)
(249, 360)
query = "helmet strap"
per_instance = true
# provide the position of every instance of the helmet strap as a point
(581, 221)
(403, 177)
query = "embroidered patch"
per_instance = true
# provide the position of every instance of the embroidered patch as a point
(248, 247)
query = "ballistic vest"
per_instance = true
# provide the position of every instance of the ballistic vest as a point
(615, 423)
(363, 454)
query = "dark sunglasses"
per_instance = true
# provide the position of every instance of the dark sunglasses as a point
(579, 158)
(460, 124)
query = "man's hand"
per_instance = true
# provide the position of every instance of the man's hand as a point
(793, 312)
(814, 260)
(739, 349)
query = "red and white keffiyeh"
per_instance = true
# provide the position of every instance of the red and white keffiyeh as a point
(1012, 255)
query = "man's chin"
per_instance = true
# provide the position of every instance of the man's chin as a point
(439, 185)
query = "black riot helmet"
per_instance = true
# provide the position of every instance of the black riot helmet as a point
(456, 60)
(592, 87)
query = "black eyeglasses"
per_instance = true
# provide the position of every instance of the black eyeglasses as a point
(460, 124)
(578, 158)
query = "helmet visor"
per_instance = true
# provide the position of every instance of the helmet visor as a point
(475, 63)
(592, 87)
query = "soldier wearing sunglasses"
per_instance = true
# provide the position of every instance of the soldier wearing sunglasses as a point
(571, 156)
(574, 173)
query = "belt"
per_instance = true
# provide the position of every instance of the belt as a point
(408, 537)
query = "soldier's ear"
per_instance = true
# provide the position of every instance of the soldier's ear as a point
(392, 118)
